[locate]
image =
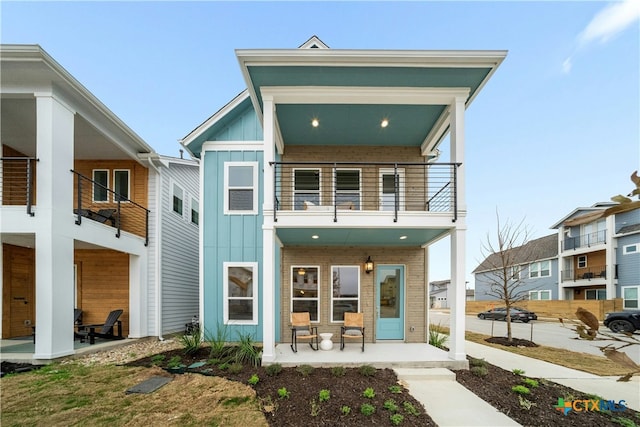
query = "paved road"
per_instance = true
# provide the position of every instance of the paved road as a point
(551, 334)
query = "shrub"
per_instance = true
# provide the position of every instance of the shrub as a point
(338, 371)
(367, 370)
(518, 371)
(191, 343)
(396, 389)
(246, 352)
(283, 393)
(217, 341)
(477, 362)
(346, 410)
(520, 389)
(235, 368)
(369, 393)
(530, 382)
(253, 380)
(396, 419)
(480, 371)
(273, 370)
(305, 370)
(390, 405)
(410, 409)
(367, 409)
(324, 395)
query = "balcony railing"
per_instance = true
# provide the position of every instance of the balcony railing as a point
(341, 187)
(17, 179)
(96, 202)
(585, 240)
(595, 272)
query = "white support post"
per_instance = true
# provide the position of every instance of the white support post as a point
(457, 317)
(269, 155)
(610, 257)
(138, 318)
(457, 149)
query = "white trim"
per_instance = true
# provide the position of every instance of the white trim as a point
(626, 249)
(128, 171)
(190, 213)
(173, 183)
(232, 146)
(294, 272)
(539, 270)
(254, 292)
(254, 187)
(637, 307)
(93, 187)
(539, 295)
(585, 261)
(357, 268)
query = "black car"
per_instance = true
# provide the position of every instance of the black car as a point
(623, 321)
(516, 313)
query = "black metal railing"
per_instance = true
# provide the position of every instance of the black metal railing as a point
(96, 202)
(17, 180)
(340, 187)
(585, 240)
(588, 273)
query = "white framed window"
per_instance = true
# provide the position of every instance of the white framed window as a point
(241, 188)
(540, 269)
(540, 295)
(630, 295)
(306, 188)
(177, 199)
(514, 272)
(195, 211)
(240, 293)
(582, 261)
(121, 184)
(305, 290)
(598, 294)
(100, 185)
(631, 249)
(345, 291)
(348, 189)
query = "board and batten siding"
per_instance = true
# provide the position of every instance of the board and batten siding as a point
(228, 238)
(179, 274)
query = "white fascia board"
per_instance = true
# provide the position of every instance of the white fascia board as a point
(573, 212)
(233, 146)
(167, 160)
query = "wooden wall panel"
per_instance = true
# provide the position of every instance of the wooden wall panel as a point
(18, 290)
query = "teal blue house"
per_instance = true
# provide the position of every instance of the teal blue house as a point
(322, 190)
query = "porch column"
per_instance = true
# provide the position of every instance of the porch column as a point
(457, 319)
(610, 257)
(138, 318)
(457, 150)
(54, 244)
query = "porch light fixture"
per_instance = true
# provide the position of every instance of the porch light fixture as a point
(403, 237)
(315, 236)
(368, 265)
(384, 123)
(315, 123)
(301, 271)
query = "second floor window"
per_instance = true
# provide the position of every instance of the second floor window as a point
(121, 184)
(582, 261)
(241, 187)
(195, 211)
(540, 269)
(306, 188)
(100, 185)
(348, 188)
(177, 198)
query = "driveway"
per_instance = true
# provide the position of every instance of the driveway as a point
(551, 334)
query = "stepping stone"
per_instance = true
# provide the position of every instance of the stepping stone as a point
(196, 365)
(149, 386)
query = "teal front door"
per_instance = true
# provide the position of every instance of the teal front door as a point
(390, 302)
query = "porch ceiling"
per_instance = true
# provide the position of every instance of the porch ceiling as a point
(358, 236)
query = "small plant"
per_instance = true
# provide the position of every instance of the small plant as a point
(390, 405)
(174, 362)
(253, 380)
(305, 370)
(268, 405)
(477, 362)
(396, 389)
(518, 371)
(223, 366)
(338, 371)
(525, 403)
(367, 409)
(369, 393)
(520, 389)
(273, 370)
(283, 393)
(479, 371)
(315, 408)
(410, 409)
(191, 343)
(217, 341)
(324, 395)
(367, 370)
(396, 419)
(157, 359)
(213, 361)
(530, 382)
(235, 368)
(346, 410)
(247, 351)
(437, 337)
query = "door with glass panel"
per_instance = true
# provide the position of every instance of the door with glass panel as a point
(390, 302)
(388, 181)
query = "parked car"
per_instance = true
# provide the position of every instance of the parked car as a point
(516, 313)
(623, 321)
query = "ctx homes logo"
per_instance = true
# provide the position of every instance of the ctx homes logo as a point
(590, 405)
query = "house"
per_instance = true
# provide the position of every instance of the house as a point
(599, 254)
(438, 291)
(532, 267)
(91, 216)
(322, 190)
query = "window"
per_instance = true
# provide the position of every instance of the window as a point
(100, 185)
(630, 249)
(539, 295)
(306, 188)
(540, 269)
(514, 272)
(582, 261)
(305, 291)
(240, 293)
(630, 296)
(345, 295)
(598, 294)
(241, 193)
(177, 198)
(195, 211)
(348, 188)
(121, 184)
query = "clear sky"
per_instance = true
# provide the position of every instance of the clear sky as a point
(557, 127)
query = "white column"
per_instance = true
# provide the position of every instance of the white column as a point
(610, 256)
(138, 309)
(269, 154)
(457, 149)
(457, 295)
(54, 244)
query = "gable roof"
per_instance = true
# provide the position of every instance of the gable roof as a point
(583, 215)
(539, 249)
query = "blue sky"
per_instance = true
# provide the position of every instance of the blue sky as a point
(557, 127)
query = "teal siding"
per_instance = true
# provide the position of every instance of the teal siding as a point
(228, 238)
(245, 127)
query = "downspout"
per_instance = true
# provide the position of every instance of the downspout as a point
(158, 247)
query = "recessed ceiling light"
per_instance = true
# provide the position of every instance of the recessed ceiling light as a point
(315, 123)
(315, 236)
(403, 237)
(384, 123)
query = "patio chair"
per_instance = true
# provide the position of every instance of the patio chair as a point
(106, 329)
(77, 315)
(301, 329)
(104, 215)
(353, 328)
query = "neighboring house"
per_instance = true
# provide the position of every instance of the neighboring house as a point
(471, 296)
(438, 294)
(86, 216)
(535, 266)
(600, 255)
(321, 190)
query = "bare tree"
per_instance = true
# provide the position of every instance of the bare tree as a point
(504, 262)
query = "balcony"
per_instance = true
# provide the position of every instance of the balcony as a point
(590, 273)
(343, 188)
(94, 201)
(585, 241)
(17, 180)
